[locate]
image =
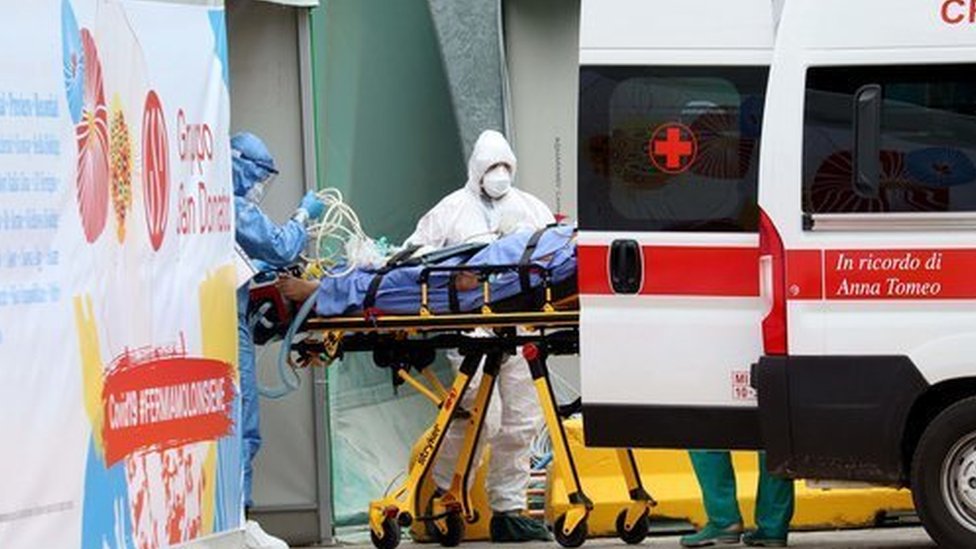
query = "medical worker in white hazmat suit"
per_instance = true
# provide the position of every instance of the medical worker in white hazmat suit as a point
(488, 207)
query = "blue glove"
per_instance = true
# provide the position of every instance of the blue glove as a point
(312, 205)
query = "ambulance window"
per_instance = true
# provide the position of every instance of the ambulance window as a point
(669, 148)
(927, 147)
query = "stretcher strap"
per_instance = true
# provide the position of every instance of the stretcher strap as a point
(405, 259)
(526, 260)
(369, 302)
(402, 256)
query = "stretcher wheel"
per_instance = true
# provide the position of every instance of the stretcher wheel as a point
(391, 535)
(455, 531)
(636, 534)
(383, 357)
(455, 527)
(421, 358)
(405, 520)
(572, 539)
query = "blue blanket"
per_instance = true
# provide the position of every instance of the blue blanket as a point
(399, 291)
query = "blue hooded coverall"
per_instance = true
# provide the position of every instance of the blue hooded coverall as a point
(263, 240)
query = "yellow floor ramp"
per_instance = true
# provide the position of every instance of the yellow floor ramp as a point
(668, 476)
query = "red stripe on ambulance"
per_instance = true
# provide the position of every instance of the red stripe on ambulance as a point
(677, 270)
(594, 270)
(804, 274)
(921, 274)
(900, 274)
(701, 271)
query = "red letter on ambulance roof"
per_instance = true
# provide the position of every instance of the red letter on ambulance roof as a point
(945, 11)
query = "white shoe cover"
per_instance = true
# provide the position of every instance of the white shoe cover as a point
(256, 538)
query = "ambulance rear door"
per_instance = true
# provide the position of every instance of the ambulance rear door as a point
(868, 188)
(670, 115)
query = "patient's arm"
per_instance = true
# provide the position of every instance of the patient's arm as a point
(466, 280)
(296, 289)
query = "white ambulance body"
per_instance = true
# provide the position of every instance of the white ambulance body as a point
(868, 244)
(670, 112)
(848, 281)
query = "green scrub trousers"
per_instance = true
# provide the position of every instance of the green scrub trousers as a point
(774, 498)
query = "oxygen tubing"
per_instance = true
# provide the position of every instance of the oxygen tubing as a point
(289, 380)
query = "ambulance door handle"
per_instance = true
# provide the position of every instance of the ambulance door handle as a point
(626, 269)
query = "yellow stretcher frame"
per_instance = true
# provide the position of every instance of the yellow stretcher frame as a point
(539, 334)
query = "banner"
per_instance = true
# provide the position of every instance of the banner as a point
(119, 391)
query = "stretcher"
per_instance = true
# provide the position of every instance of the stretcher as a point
(539, 323)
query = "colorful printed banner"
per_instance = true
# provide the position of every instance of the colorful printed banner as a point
(118, 381)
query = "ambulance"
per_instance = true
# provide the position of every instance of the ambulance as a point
(817, 298)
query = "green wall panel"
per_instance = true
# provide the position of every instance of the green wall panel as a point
(387, 137)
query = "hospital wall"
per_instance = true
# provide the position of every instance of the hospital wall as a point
(542, 44)
(469, 39)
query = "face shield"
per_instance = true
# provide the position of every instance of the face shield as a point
(254, 170)
(256, 194)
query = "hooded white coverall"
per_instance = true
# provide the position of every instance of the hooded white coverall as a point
(514, 416)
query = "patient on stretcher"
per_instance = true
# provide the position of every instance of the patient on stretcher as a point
(455, 277)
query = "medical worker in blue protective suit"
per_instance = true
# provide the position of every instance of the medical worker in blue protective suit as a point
(276, 245)
(774, 504)
(487, 207)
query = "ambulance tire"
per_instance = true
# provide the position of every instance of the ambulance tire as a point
(636, 534)
(945, 454)
(572, 539)
(391, 535)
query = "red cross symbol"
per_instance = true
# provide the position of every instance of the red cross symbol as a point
(673, 147)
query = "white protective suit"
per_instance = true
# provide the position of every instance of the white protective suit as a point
(514, 416)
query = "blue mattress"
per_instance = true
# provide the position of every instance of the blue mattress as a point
(399, 289)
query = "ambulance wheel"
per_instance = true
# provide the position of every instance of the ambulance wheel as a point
(391, 535)
(572, 539)
(637, 533)
(943, 476)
